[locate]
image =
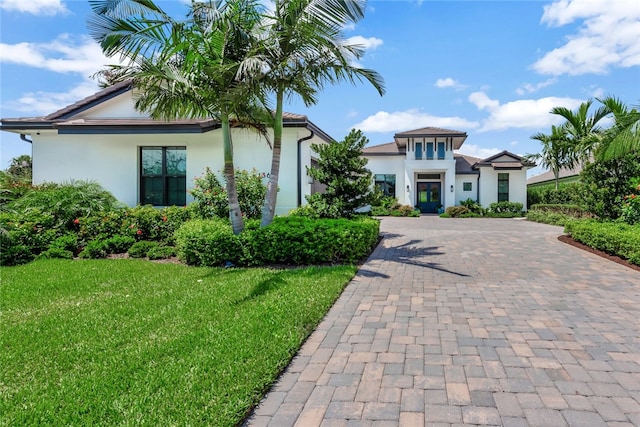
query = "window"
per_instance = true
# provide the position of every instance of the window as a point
(429, 150)
(466, 186)
(503, 187)
(440, 150)
(418, 150)
(428, 176)
(163, 176)
(386, 184)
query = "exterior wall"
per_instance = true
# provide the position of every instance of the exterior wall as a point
(445, 167)
(121, 106)
(489, 186)
(464, 195)
(392, 165)
(113, 160)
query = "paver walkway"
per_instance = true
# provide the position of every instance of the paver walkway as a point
(470, 322)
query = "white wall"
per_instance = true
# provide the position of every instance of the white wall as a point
(121, 106)
(464, 195)
(392, 165)
(113, 160)
(489, 186)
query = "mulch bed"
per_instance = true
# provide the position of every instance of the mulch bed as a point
(566, 239)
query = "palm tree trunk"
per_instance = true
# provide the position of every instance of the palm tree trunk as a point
(271, 198)
(235, 215)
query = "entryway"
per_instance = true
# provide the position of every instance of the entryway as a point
(429, 196)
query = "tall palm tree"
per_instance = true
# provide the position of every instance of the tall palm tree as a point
(184, 69)
(583, 132)
(301, 48)
(624, 135)
(554, 154)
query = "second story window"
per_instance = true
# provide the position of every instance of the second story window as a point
(429, 150)
(418, 150)
(440, 150)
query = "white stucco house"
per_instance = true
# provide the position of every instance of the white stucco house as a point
(144, 161)
(420, 168)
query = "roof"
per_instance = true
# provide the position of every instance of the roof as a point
(388, 149)
(429, 131)
(548, 176)
(65, 120)
(464, 164)
(514, 162)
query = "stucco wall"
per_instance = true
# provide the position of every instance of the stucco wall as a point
(464, 195)
(391, 165)
(489, 186)
(113, 160)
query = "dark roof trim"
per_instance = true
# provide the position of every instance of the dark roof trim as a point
(382, 154)
(135, 130)
(90, 101)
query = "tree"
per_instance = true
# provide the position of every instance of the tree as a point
(583, 132)
(185, 69)
(555, 154)
(623, 136)
(341, 168)
(300, 49)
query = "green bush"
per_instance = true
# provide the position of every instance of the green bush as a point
(119, 244)
(161, 252)
(25, 235)
(95, 249)
(616, 238)
(380, 211)
(55, 253)
(566, 194)
(472, 205)
(510, 209)
(207, 243)
(141, 249)
(302, 241)
(457, 211)
(67, 242)
(551, 218)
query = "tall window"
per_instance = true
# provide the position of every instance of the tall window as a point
(440, 150)
(386, 184)
(418, 150)
(429, 150)
(163, 176)
(503, 187)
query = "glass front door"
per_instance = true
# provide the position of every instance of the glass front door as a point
(428, 197)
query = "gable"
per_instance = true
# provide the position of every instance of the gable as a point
(505, 158)
(119, 107)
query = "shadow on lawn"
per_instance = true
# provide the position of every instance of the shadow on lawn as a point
(409, 252)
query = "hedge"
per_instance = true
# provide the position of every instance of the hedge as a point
(555, 214)
(616, 238)
(288, 240)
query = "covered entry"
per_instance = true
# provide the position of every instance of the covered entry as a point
(429, 196)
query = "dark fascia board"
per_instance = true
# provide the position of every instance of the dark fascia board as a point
(303, 122)
(135, 130)
(71, 111)
(468, 173)
(383, 154)
(22, 125)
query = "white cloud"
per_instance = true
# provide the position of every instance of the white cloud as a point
(370, 43)
(63, 55)
(42, 103)
(383, 121)
(35, 7)
(530, 88)
(449, 82)
(477, 151)
(522, 114)
(608, 36)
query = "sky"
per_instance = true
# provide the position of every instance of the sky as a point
(493, 69)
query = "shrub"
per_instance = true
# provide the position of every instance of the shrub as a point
(380, 211)
(119, 244)
(552, 218)
(66, 242)
(141, 249)
(66, 202)
(24, 236)
(305, 211)
(612, 237)
(569, 194)
(56, 253)
(472, 205)
(508, 208)
(456, 211)
(211, 199)
(631, 207)
(161, 252)
(302, 241)
(95, 249)
(207, 243)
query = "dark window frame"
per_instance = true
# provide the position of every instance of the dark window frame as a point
(441, 153)
(503, 196)
(388, 187)
(467, 186)
(167, 178)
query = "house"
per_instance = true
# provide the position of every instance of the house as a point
(420, 168)
(144, 161)
(566, 176)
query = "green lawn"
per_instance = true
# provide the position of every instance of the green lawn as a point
(129, 342)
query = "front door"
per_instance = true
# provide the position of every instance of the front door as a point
(428, 197)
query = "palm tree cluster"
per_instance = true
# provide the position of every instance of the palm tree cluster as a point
(581, 136)
(230, 60)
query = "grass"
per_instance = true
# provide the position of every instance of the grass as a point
(128, 342)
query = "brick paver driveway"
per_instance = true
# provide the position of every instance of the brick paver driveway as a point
(474, 322)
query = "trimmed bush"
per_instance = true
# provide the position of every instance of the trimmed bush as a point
(56, 253)
(302, 241)
(207, 243)
(514, 208)
(119, 244)
(95, 249)
(161, 252)
(616, 238)
(456, 211)
(141, 249)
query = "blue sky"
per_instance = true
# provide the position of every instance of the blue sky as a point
(493, 69)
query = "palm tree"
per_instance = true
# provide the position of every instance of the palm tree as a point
(624, 136)
(184, 69)
(301, 48)
(555, 154)
(583, 132)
